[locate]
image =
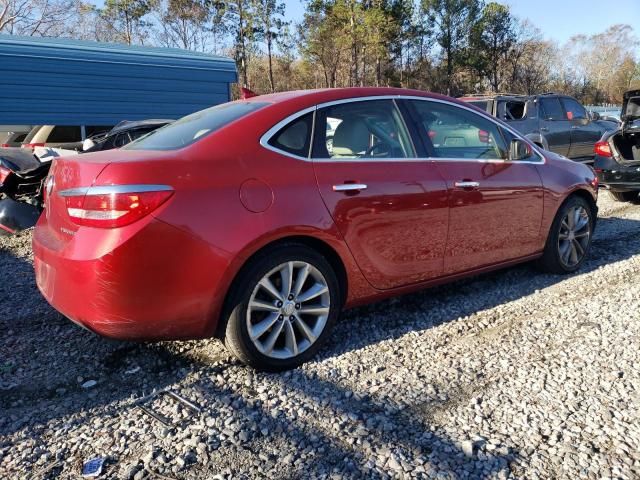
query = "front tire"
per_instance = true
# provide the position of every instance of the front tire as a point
(624, 196)
(282, 308)
(569, 239)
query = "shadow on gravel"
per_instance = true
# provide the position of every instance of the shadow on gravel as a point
(45, 359)
(615, 240)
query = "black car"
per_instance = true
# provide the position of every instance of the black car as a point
(617, 160)
(554, 122)
(123, 133)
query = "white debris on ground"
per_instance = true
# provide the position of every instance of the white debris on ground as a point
(515, 374)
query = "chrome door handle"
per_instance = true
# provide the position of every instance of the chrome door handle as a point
(466, 184)
(349, 187)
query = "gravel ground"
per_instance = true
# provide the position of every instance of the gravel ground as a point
(515, 374)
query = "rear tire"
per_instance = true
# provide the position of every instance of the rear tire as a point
(569, 239)
(282, 308)
(624, 196)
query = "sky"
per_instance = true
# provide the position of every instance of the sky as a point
(557, 19)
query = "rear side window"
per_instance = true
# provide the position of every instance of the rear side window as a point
(295, 138)
(193, 127)
(481, 104)
(551, 109)
(575, 111)
(64, 134)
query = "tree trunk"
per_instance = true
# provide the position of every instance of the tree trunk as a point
(269, 57)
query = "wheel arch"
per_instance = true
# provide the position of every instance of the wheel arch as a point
(316, 244)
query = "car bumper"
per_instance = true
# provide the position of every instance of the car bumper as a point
(620, 180)
(156, 283)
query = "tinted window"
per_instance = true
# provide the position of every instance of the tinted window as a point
(551, 109)
(140, 132)
(122, 139)
(64, 134)
(514, 110)
(295, 137)
(454, 132)
(369, 129)
(193, 127)
(574, 110)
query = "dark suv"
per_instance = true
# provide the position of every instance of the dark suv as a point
(558, 123)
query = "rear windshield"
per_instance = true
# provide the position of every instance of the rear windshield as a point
(193, 127)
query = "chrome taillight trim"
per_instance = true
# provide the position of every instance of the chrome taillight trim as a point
(114, 189)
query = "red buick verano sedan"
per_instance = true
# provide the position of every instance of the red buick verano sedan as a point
(257, 221)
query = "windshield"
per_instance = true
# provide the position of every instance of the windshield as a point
(193, 127)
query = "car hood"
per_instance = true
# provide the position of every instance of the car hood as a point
(19, 159)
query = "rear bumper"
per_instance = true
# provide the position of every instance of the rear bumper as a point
(154, 282)
(620, 180)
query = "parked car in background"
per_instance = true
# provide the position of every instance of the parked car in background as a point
(557, 123)
(62, 136)
(123, 133)
(258, 220)
(617, 154)
(13, 139)
(23, 171)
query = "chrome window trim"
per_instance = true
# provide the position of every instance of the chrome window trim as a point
(109, 189)
(266, 137)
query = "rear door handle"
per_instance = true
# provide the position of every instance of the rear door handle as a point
(466, 184)
(349, 187)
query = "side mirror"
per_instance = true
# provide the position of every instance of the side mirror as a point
(519, 150)
(87, 144)
(594, 116)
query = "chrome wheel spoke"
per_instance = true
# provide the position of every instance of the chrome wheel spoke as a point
(261, 305)
(286, 273)
(303, 274)
(268, 286)
(290, 338)
(578, 247)
(304, 328)
(271, 340)
(314, 310)
(261, 327)
(574, 254)
(312, 293)
(583, 234)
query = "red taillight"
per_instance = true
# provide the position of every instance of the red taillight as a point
(603, 149)
(4, 173)
(113, 206)
(4, 145)
(483, 136)
(32, 145)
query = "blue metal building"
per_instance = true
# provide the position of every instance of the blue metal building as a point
(68, 82)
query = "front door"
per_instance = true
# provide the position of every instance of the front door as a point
(495, 204)
(390, 206)
(554, 125)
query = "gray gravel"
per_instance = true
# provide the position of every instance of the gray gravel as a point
(515, 374)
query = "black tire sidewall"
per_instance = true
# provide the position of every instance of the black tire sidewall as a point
(236, 334)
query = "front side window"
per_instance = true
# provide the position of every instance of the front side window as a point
(453, 132)
(361, 129)
(193, 127)
(551, 109)
(575, 111)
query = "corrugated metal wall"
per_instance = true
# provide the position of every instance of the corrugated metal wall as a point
(67, 82)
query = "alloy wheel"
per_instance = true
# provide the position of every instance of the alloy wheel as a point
(574, 237)
(288, 310)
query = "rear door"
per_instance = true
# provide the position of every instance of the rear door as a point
(389, 205)
(584, 132)
(495, 205)
(554, 125)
